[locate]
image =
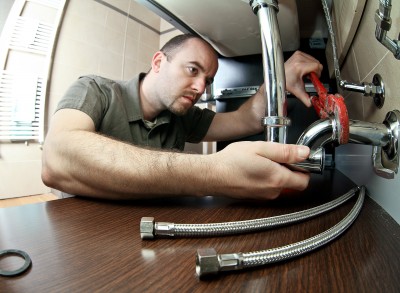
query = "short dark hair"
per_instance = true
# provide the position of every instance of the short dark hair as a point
(174, 44)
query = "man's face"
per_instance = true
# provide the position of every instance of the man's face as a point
(184, 77)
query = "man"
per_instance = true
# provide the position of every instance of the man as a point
(121, 140)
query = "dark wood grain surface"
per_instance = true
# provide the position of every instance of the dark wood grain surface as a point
(85, 245)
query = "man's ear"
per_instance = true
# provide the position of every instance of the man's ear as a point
(156, 61)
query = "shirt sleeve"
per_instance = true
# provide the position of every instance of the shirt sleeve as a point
(85, 95)
(200, 123)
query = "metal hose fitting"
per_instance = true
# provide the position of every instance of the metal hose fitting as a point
(149, 229)
(209, 262)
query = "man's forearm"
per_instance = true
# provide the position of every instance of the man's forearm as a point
(86, 163)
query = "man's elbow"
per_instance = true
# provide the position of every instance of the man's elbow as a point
(48, 176)
(50, 172)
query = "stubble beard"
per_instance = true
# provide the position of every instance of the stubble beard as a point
(176, 108)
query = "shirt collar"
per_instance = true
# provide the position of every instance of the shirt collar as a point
(131, 95)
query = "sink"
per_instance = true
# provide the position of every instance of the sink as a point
(229, 25)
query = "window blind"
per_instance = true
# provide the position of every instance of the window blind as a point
(23, 86)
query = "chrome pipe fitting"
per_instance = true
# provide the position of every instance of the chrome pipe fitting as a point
(275, 128)
(208, 262)
(369, 133)
(319, 133)
(386, 158)
(315, 163)
(148, 228)
(383, 136)
(376, 89)
(316, 136)
(383, 24)
(258, 4)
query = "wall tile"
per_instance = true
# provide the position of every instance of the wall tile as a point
(76, 27)
(111, 65)
(143, 66)
(368, 51)
(390, 74)
(131, 48)
(120, 4)
(133, 29)
(355, 104)
(349, 72)
(113, 41)
(130, 69)
(91, 11)
(149, 37)
(116, 21)
(146, 52)
(78, 54)
(145, 15)
(350, 15)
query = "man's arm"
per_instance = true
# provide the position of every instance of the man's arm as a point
(79, 161)
(247, 119)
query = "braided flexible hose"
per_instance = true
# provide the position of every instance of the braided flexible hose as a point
(209, 262)
(292, 250)
(238, 227)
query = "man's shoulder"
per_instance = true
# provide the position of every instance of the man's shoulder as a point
(97, 79)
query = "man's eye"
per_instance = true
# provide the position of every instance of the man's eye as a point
(192, 70)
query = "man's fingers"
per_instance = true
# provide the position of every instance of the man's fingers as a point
(296, 180)
(284, 153)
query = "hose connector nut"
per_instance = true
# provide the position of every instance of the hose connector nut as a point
(207, 262)
(147, 228)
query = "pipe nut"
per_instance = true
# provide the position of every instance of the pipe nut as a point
(382, 22)
(257, 4)
(147, 228)
(207, 262)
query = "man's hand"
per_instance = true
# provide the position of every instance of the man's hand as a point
(296, 67)
(254, 170)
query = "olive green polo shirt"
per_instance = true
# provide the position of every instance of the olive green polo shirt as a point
(114, 107)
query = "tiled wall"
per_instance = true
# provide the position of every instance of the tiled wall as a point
(112, 38)
(365, 58)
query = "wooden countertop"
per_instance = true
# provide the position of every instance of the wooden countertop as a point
(87, 245)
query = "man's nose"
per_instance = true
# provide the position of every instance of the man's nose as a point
(199, 85)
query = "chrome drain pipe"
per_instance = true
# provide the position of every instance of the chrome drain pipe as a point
(208, 262)
(276, 121)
